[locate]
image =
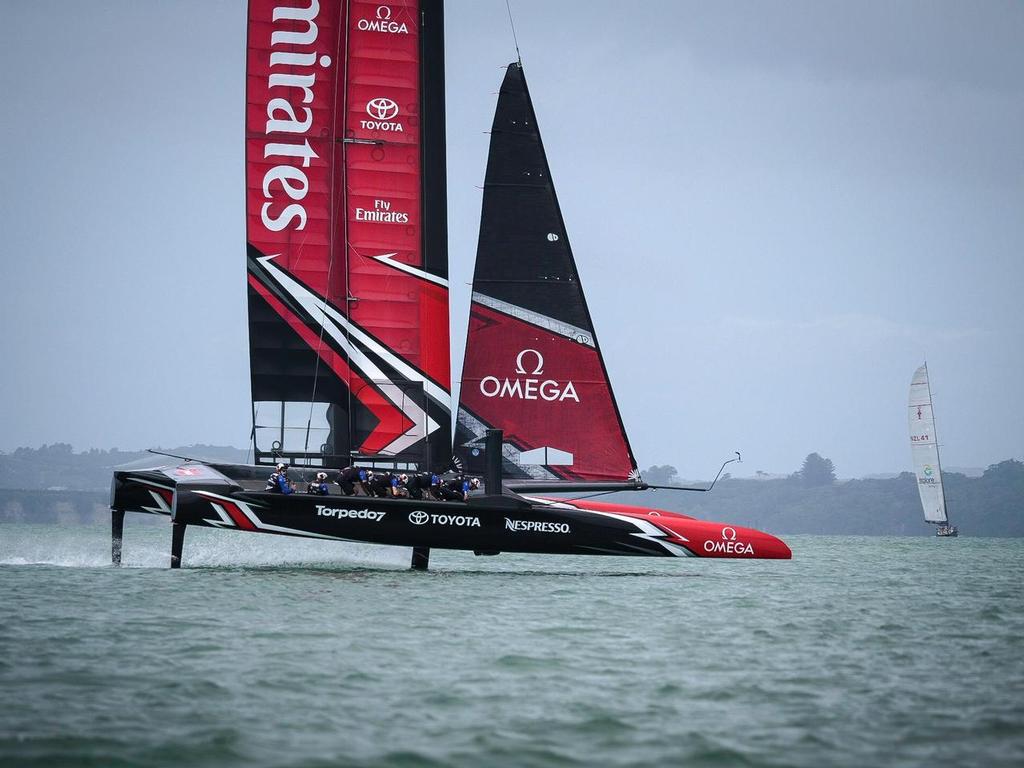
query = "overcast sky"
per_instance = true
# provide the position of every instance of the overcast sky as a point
(779, 210)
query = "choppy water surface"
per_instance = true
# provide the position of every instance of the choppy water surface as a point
(272, 652)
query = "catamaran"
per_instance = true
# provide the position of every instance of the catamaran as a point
(924, 448)
(348, 317)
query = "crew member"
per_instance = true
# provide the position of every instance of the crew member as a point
(352, 481)
(400, 486)
(278, 480)
(380, 484)
(458, 488)
(422, 485)
(318, 485)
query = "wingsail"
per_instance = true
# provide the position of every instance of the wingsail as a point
(533, 366)
(347, 240)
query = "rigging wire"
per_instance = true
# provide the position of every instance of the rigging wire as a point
(512, 23)
(349, 298)
(592, 495)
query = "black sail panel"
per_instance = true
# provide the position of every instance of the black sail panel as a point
(523, 255)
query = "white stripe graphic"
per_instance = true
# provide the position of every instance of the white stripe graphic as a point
(255, 520)
(388, 258)
(336, 325)
(650, 532)
(146, 481)
(161, 507)
(225, 518)
(536, 318)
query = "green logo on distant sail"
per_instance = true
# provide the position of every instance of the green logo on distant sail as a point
(928, 470)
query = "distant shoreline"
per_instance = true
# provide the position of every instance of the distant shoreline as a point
(53, 484)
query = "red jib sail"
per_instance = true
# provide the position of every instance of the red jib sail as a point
(533, 367)
(347, 254)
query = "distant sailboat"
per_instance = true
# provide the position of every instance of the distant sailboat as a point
(924, 448)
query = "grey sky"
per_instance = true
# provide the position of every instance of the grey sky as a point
(778, 209)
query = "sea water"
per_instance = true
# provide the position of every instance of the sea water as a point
(266, 651)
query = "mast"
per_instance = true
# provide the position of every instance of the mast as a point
(938, 456)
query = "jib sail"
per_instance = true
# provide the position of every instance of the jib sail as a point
(533, 367)
(346, 229)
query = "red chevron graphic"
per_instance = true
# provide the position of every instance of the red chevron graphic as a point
(391, 422)
(237, 515)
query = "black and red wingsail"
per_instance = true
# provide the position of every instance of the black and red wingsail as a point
(347, 262)
(533, 367)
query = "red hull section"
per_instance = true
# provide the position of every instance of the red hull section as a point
(701, 538)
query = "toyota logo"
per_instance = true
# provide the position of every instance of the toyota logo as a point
(728, 533)
(538, 368)
(381, 108)
(419, 517)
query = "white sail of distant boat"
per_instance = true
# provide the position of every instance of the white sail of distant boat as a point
(924, 448)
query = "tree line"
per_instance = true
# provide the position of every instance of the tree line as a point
(812, 500)
(55, 484)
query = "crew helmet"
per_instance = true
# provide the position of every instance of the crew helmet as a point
(282, 467)
(474, 482)
(321, 476)
(403, 478)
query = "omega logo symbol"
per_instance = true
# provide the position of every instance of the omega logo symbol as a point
(383, 13)
(419, 517)
(538, 369)
(529, 364)
(729, 534)
(381, 108)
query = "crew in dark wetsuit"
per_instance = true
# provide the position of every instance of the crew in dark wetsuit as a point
(380, 484)
(458, 489)
(352, 481)
(278, 481)
(318, 486)
(422, 485)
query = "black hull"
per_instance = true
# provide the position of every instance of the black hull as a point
(485, 524)
(218, 496)
(488, 524)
